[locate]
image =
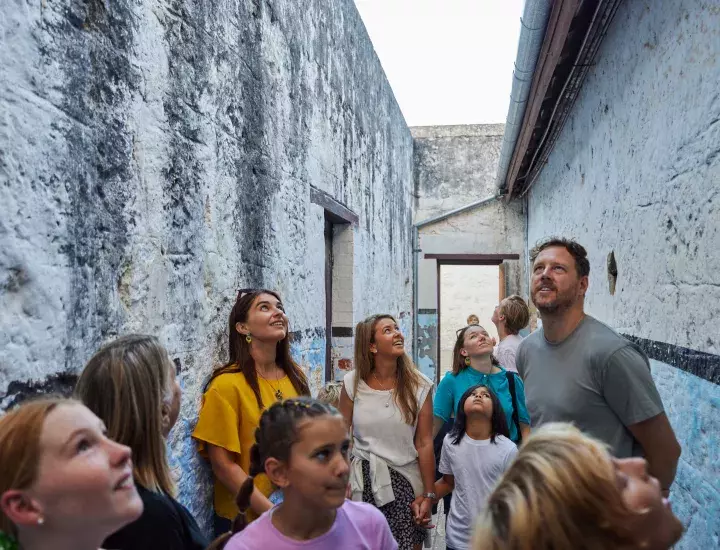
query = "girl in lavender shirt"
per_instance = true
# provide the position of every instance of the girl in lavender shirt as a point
(302, 445)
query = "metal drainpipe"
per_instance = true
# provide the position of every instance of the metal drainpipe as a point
(416, 259)
(532, 32)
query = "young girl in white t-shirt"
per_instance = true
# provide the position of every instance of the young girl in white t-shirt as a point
(475, 454)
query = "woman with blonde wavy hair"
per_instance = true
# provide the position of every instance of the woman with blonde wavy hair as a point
(131, 385)
(565, 491)
(387, 403)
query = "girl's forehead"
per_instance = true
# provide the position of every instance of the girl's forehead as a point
(384, 322)
(265, 297)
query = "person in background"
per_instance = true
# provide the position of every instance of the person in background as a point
(577, 369)
(510, 317)
(387, 403)
(302, 445)
(260, 372)
(64, 485)
(330, 394)
(473, 319)
(473, 364)
(474, 455)
(565, 491)
(131, 385)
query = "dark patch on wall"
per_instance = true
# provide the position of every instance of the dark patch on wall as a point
(701, 364)
(61, 384)
(342, 332)
(252, 166)
(189, 60)
(91, 42)
(310, 334)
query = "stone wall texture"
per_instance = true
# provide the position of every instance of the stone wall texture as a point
(157, 155)
(636, 171)
(454, 166)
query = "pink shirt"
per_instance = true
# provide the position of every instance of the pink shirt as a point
(358, 526)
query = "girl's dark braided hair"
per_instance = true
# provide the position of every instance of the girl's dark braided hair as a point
(274, 438)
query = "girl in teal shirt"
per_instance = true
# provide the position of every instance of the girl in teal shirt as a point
(473, 364)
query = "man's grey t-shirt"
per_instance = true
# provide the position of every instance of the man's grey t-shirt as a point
(595, 379)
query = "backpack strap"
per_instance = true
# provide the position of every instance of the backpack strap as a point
(516, 418)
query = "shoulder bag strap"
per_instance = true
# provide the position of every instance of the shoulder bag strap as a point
(516, 419)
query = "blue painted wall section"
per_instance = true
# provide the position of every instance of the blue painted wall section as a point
(309, 353)
(427, 344)
(693, 406)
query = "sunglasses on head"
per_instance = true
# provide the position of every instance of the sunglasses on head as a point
(244, 292)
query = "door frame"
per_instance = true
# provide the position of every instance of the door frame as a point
(463, 259)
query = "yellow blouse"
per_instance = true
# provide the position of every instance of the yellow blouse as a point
(228, 418)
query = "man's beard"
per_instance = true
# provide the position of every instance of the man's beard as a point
(561, 303)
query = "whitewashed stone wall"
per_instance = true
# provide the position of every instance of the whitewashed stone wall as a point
(157, 155)
(636, 171)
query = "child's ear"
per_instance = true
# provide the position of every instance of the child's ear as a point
(20, 508)
(277, 472)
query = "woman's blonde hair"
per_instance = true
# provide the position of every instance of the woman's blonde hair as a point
(516, 313)
(20, 431)
(408, 379)
(560, 493)
(330, 394)
(125, 384)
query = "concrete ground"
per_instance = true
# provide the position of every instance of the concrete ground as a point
(437, 536)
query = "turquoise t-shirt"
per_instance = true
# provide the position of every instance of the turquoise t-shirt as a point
(452, 387)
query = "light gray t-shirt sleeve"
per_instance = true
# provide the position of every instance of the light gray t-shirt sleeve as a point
(520, 359)
(628, 387)
(510, 456)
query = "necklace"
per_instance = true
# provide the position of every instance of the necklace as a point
(278, 393)
(387, 403)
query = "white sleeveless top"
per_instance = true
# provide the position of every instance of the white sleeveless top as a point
(383, 438)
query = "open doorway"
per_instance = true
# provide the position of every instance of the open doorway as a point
(465, 290)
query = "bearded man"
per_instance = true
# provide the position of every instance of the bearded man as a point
(577, 369)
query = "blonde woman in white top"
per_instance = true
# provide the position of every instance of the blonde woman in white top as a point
(388, 404)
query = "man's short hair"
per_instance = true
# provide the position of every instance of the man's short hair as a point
(576, 250)
(516, 313)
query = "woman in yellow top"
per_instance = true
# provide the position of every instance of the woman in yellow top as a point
(260, 372)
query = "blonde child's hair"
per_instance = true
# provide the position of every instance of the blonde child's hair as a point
(330, 394)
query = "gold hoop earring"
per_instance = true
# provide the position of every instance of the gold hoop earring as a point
(248, 339)
(467, 361)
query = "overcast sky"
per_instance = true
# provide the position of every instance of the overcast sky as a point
(448, 61)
